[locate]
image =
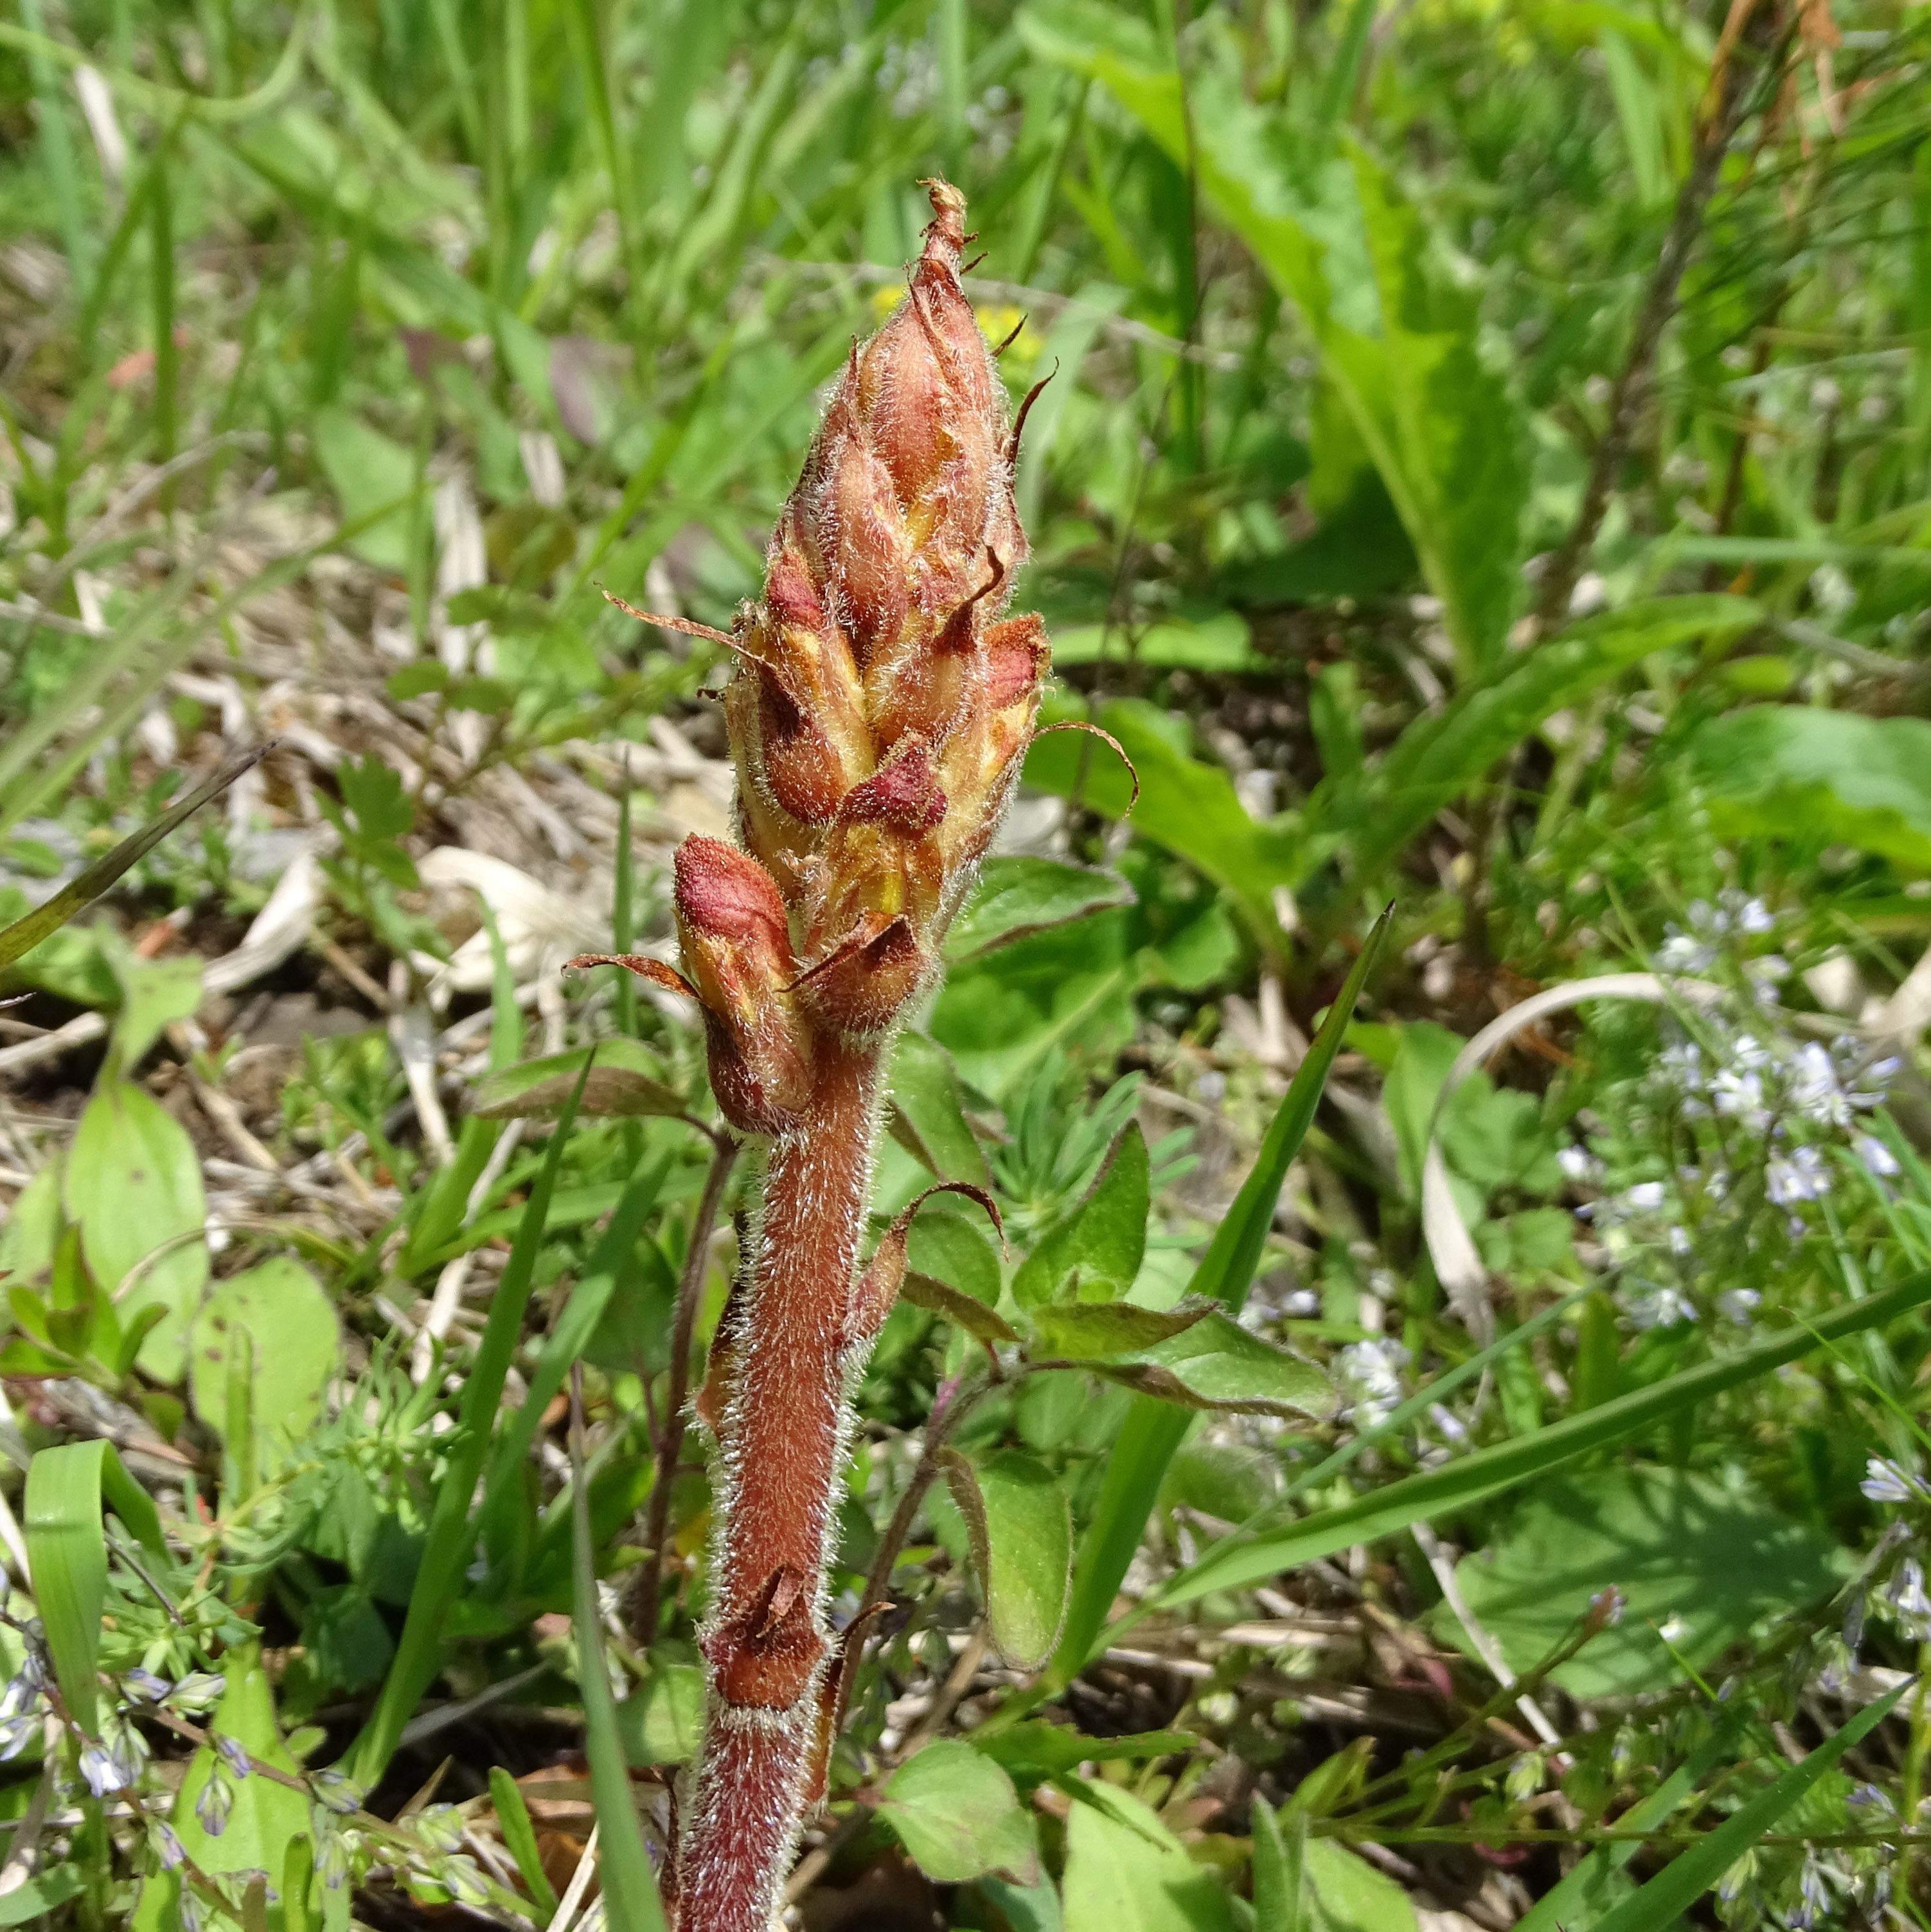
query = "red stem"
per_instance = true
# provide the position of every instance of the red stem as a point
(782, 1440)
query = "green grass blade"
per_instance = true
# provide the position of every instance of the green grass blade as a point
(1154, 1430)
(1474, 1478)
(1569, 1907)
(629, 1888)
(1396, 1422)
(567, 1341)
(20, 938)
(161, 295)
(67, 1556)
(520, 1836)
(1685, 1880)
(446, 1551)
(56, 144)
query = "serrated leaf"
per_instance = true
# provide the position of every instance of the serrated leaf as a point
(1794, 771)
(1682, 1548)
(956, 1813)
(623, 1082)
(1103, 1239)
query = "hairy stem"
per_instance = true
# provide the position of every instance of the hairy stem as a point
(780, 1440)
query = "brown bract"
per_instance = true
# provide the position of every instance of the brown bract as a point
(879, 699)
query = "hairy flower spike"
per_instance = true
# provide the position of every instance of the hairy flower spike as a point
(880, 704)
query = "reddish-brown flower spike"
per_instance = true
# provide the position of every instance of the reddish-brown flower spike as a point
(880, 704)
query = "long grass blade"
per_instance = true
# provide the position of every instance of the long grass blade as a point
(1474, 1478)
(67, 1556)
(20, 938)
(631, 1902)
(1154, 1430)
(1684, 1880)
(445, 1551)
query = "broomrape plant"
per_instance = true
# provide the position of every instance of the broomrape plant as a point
(876, 713)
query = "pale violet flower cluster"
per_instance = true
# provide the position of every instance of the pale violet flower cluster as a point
(1752, 1127)
(1370, 1374)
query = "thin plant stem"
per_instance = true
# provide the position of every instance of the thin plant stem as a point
(948, 1412)
(670, 1431)
(1716, 128)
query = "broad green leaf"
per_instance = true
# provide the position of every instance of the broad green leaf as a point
(1153, 1431)
(38, 1898)
(1189, 807)
(1229, 1481)
(955, 1249)
(1017, 895)
(296, 1348)
(978, 1320)
(68, 1487)
(957, 1814)
(1344, 1893)
(367, 470)
(31, 1227)
(1100, 1331)
(1000, 1014)
(662, 1721)
(154, 993)
(1103, 1241)
(1397, 321)
(1035, 1749)
(928, 1118)
(1702, 1561)
(1793, 771)
(266, 1815)
(1488, 1472)
(1440, 756)
(133, 1182)
(1221, 643)
(24, 934)
(1029, 1535)
(1685, 1878)
(1126, 1872)
(1216, 1363)
(623, 1081)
